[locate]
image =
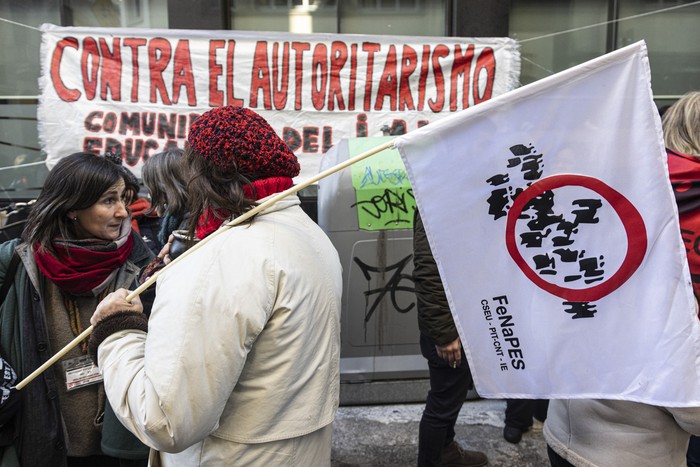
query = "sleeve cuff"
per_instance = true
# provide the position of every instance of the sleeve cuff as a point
(116, 322)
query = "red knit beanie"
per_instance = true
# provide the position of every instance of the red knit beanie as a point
(234, 134)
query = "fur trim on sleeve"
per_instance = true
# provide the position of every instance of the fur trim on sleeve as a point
(117, 322)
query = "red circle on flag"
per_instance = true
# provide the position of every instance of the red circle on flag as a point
(628, 214)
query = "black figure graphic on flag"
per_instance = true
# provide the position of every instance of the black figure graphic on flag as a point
(547, 219)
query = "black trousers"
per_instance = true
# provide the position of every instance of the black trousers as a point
(520, 412)
(693, 455)
(104, 461)
(448, 391)
(555, 460)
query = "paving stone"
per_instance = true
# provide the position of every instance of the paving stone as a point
(387, 436)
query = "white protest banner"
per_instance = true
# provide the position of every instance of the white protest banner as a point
(554, 227)
(135, 91)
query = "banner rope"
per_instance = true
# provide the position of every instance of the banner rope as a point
(19, 166)
(531, 39)
(537, 65)
(545, 36)
(19, 24)
(603, 23)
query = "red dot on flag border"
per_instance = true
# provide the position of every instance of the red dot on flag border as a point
(629, 215)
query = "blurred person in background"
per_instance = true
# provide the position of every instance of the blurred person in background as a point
(163, 175)
(681, 124)
(450, 376)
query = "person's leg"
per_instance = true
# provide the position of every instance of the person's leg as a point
(104, 461)
(692, 456)
(133, 463)
(519, 413)
(555, 460)
(518, 419)
(448, 391)
(92, 461)
(539, 414)
(540, 409)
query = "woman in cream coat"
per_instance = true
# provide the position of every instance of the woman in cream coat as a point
(239, 363)
(629, 434)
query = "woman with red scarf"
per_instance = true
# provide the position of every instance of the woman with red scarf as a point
(76, 248)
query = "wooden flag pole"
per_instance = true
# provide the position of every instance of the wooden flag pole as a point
(243, 217)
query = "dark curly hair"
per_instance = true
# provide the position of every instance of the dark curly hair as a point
(76, 182)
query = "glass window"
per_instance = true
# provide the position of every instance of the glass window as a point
(19, 64)
(115, 14)
(302, 16)
(392, 17)
(579, 30)
(545, 49)
(672, 37)
(22, 170)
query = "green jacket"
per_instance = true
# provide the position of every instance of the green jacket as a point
(24, 344)
(434, 316)
(10, 345)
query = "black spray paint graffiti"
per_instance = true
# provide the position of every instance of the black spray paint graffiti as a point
(391, 287)
(391, 205)
(549, 226)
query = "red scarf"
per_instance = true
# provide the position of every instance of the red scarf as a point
(138, 208)
(685, 179)
(211, 219)
(80, 266)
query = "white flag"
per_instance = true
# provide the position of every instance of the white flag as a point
(553, 223)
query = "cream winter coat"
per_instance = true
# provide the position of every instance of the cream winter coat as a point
(243, 345)
(610, 433)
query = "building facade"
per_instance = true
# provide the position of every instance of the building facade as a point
(553, 34)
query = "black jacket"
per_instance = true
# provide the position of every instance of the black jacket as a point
(39, 425)
(434, 316)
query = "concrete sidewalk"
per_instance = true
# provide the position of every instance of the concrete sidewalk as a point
(387, 436)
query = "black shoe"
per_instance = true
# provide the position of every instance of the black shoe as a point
(512, 434)
(453, 455)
